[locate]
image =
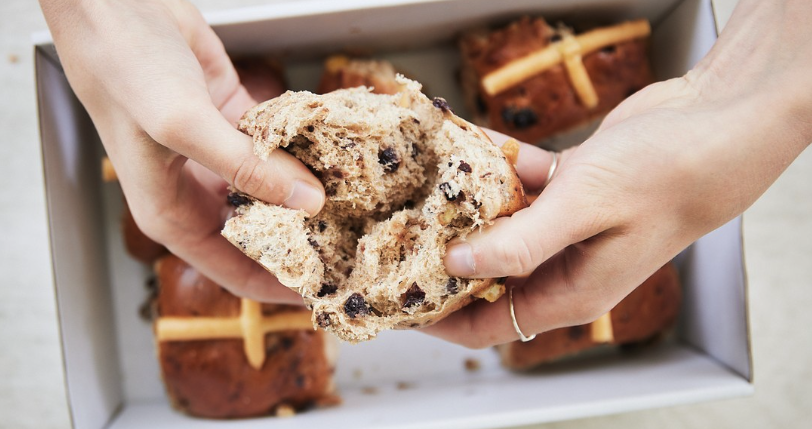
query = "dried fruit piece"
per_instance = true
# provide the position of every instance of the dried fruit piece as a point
(323, 320)
(448, 191)
(447, 216)
(237, 200)
(441, 104)
(327, 289)
(356, 306)
(414, 296)
(389, 159)
(452, 286)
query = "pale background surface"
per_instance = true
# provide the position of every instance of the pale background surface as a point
(777, 233)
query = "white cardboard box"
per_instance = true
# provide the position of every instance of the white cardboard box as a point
(111, 372)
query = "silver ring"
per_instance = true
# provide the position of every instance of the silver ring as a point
(522, 336)
(553, 166)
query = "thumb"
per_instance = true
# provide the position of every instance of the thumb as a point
(517, 245)
(197, 130)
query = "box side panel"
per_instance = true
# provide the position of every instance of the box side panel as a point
(688, 32)
(714, 313)
(446, 396)
(359, 26)
(72, 174)
(715, 300)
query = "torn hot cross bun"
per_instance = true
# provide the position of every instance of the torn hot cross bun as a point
(343, 72)
(403, 176)
(201, 336)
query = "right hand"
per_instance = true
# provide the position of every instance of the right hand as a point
(164, 96)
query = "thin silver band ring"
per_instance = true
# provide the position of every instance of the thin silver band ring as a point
(522, 336)
(553, 167)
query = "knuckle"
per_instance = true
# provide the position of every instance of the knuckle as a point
(517, 257)
(154, 222)
(474, 342)
(251, 178)
(170, 126)
(586, 311)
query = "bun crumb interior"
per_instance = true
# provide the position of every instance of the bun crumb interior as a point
(403, 176)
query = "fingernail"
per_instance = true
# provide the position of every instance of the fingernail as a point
(306, 197)
(459, 260)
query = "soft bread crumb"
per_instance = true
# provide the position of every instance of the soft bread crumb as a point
(403, 176)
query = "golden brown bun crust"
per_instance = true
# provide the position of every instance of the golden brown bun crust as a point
(212, 378)
(263, 78)
(138, 245)
(341, 73)
(546, 104)
(645, 313)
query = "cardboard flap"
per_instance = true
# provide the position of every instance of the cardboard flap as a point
(69, 151)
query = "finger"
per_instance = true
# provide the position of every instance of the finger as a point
(518, 244)
(190, 228)
(533, 164)
(180, 111)
(574, 287)
(224, 264)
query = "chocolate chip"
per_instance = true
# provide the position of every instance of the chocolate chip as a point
(338, 174)
(415, 151)
(311, 128)
(414, 296)
(441, 104)
(323, 320)
(447, 191)
(237, 200)
(452, 286)
(389, 159)
(356, 306)
(408, 205)
(322, 225)
(461, 196)
(555, 38)
(465, 167)
(313, 242)
(327, 289)
(519, 118)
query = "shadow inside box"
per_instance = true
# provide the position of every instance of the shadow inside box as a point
(644, 354)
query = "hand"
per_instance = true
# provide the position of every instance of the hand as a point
(164, 97)
(668, 165)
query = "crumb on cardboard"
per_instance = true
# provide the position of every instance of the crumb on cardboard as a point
(13, 58)
(357, 374)
(285, 410)
(472, 365)
(404, 385)
(369, 390)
